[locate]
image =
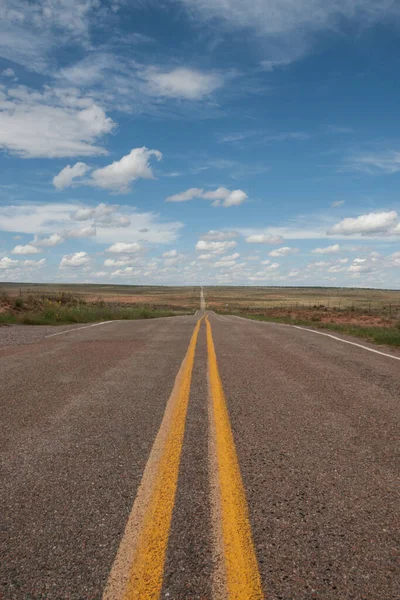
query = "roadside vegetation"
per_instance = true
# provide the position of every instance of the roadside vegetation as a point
(386, 332)
(371, 314)
(63, 308)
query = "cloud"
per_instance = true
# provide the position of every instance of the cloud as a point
(34, 264)
(97, 213)
(8, 263)
(223, 197)
(375, 163)
(112, 221)
(120, 262)
(8, 73)
(170, 254)
(31, 32)
(271, 65)
(214, 247)
(123, 83)
(287, 30)
(54, 123)
(220, 235)
(172, 258)
(188, 84)
(220, 197)
(382, 223)
(189, 194)
(67, 175)
(117, 176)
(264, 238)
(284, 251)
(103, 215)
(285, 21)
(78, 259)
(327, 250)
(366, 265)
(27, 249)
(227, 261)
(121, 173)
(48, 242)
(337, 203)
(99, 274)
(205, 256)
(120, 247)
(81, 232)
(127, 272)
(395, 259)
(111, 262)
(270, 266)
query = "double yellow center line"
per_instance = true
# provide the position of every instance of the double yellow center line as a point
(137, 572)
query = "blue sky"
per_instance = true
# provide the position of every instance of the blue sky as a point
(200, 142)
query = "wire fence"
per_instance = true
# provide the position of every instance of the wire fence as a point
(390, 310)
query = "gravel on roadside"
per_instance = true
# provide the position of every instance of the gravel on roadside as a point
(18, 335)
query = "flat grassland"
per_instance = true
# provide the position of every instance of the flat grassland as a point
(368, 313)
(53, 304)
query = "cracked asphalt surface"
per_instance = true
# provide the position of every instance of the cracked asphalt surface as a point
(315, 423)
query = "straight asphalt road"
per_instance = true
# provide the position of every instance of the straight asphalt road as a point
(200, 457)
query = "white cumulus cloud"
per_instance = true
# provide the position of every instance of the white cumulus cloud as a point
(55, 123)
(189, 194)
(104, 215)
(170, 254)
(34, 264)
(272, 267)
(220, 235)
(97, 213)
(224, 197)
(264, 238)
(119, 175)
(284, 251)
(8, 263)
(78, 259)
(122, 247)
(48, 242)
(327, 250)
(27, 249)
(120, 262)
(188, 84)
(382, 223)
(81, 232)
(67, 175)
(220, 197)
(214, 247)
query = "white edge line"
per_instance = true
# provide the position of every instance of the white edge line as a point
(347, 342)
(334, 337)
(85, 327)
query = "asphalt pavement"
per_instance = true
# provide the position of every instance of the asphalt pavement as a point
(286, 463)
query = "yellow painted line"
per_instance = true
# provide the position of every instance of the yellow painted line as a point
(240, 569)
(137, 572)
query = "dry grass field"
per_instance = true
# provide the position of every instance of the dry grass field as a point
(290, 298)
(175, 298)
(369, 313)
(43, 304)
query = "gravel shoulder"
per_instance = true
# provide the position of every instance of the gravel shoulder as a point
(18, 335)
